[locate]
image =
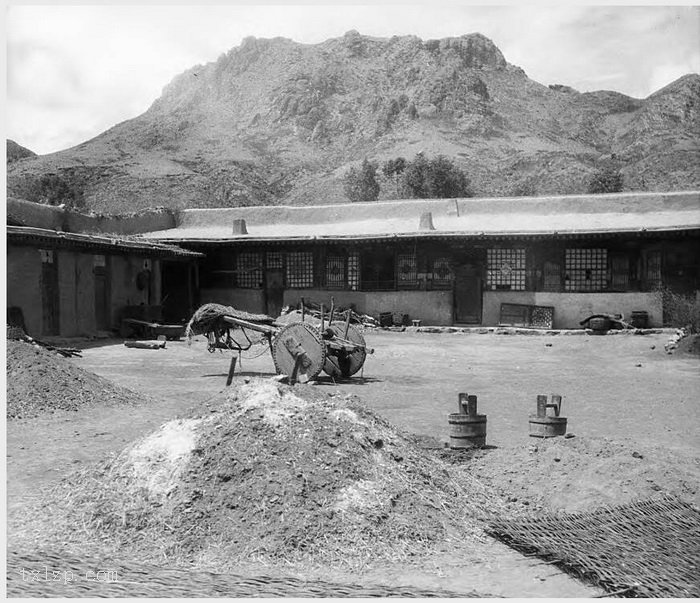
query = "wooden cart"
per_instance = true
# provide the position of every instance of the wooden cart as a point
(302, 346)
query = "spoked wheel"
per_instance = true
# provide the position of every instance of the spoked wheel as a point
(346, 364)
(299, 352)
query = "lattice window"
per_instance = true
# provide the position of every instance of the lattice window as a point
(442, 271)
(551, 276)
(653, 276)
(354, 270)
(407, 269)
(274, 259)
(249, 274)
(300, 269)
(505, 269)
(619, 273)
(335, 272)
(586, 269)
(47, 256)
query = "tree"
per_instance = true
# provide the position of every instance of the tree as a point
(436, 178)
(54, 189)
(361, 184)
(606, 180)
(394, 168)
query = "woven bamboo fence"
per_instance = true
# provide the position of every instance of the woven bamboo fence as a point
(643, 549)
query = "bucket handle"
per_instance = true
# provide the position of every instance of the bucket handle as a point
(542, 405)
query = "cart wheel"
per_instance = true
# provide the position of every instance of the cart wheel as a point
(301, 341)
(346, 364)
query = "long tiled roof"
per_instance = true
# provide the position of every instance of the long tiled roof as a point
(29, 235)
(495, 217)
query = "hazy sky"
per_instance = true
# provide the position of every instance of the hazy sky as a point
(74, 71)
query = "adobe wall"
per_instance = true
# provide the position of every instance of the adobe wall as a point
(24, 285)
(123, 288)
(76, 288)
(85, 323)
(157, 219)
(431, 307)
(413, 208)
(50, 217)
(571, 308)
(317, 214)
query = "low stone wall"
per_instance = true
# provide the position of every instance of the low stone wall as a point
(431, 307)
(571, 308)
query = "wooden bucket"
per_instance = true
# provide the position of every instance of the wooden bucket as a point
(547, 427)
(467, 431)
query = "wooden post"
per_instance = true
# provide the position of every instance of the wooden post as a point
(231, 370)
(303, 310)
(541, 406)
(556, 404)
(347, 324)
(471, 405)
(462, 401)
(330, 314)
(298, 363)
(322, 309)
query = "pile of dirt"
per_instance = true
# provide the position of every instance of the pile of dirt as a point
(581, 473)
(40, 381)
(274, 474)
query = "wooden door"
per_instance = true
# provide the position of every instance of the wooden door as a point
(274, 291)
(50, 298)
(102, 306)
(467, 294)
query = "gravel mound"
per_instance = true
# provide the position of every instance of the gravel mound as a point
(279, 474)
(40, 381)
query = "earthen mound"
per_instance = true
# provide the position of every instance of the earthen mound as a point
(280, 474)
(40, 381)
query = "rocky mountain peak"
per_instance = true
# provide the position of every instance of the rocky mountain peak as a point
(276, 121)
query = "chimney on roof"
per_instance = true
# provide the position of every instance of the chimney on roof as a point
(239, 227)
(426, 221)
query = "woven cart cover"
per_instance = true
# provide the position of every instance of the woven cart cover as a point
(648, 548)
(134, 579)
(348, 364)
(209, 318)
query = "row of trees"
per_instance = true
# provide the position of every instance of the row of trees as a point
(439, 178)
(422, 178)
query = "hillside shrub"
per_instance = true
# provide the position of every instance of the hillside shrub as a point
(53, 189)
(606, 180)
(681, 311)
(436, 178)
(361, 184)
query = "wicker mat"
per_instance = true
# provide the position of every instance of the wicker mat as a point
(55, 575)
(643, 549)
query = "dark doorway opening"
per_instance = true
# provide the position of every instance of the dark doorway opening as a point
(274, 291)
(468, 294)
(177, 292)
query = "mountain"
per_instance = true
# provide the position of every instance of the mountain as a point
(16, 151)
(277, 122)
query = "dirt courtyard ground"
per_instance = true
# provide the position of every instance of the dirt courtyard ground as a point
(630, 405)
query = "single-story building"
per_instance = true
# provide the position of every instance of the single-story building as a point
(78, 284)
(452, 261)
